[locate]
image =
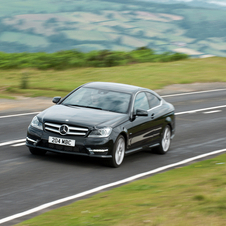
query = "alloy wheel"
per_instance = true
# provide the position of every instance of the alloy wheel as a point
(166, 139)
(120, 151)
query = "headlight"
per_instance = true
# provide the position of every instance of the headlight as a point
(36, 123)
(103, 132)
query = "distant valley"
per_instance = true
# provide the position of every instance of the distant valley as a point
(197, 28)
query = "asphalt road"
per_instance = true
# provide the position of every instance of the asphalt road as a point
(28, 181)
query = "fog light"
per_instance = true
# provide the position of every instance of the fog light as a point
(31, 140)
(100, 150)
(92, 151)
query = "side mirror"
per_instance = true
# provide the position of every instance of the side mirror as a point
(56, 100)
(140, 112)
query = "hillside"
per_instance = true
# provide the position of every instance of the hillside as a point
(217, 4)
(53, 25)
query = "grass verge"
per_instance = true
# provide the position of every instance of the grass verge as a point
(150, 75)
(190, 195)
(6, 97)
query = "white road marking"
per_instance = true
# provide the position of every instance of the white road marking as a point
(190, 93)
(12, 142)
(198, 110)
(10, 160)
(164, 96)
(23, 114)
(100, 188)
(178, 113)
(20, 144)
(211, 112)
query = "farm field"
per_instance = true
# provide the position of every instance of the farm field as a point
(52, 25)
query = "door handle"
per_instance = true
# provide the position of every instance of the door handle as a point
(152, 115)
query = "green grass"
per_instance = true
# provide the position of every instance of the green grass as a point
(185, 196)
(150, 75)
(6, 97)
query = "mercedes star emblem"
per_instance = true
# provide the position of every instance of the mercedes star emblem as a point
(64, 129)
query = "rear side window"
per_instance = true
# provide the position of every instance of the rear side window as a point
(153, 100)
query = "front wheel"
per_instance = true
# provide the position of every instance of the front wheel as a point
(36, 151)
(165, 141)
(118, 152)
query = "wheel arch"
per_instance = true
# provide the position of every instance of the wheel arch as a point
(123, 133)
(169, 122)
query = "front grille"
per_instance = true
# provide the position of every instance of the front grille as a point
(77, 131)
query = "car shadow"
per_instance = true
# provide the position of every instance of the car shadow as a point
(90, 162)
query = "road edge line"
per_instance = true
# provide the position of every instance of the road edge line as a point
(16, 115)
(12, 142)
(195, 92)
(164, 96)
(198, 110)
(97, 189)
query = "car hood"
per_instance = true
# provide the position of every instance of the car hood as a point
(84, 117)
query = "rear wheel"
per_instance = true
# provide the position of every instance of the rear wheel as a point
(118, 152)
(36, 151)
(165, 141)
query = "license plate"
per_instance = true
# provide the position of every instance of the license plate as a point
(61, 141)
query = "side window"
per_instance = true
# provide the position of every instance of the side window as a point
(153, 100)
(141, 102)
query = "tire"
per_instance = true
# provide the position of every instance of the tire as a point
(36, 151)
(118, 152)
(165, 141)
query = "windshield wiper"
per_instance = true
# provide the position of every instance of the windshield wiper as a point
(84, 106)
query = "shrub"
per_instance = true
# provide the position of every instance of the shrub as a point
(24, 81)
(73, 58)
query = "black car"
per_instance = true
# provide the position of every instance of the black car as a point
(104, 120)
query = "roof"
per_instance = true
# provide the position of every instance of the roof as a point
(114, 87)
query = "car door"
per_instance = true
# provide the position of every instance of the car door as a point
(156, 112)
(145, 129)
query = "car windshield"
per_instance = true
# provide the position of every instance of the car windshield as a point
(99, 99)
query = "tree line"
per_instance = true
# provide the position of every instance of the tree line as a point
(72, 59)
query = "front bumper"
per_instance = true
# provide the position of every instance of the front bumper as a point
(85, 146)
